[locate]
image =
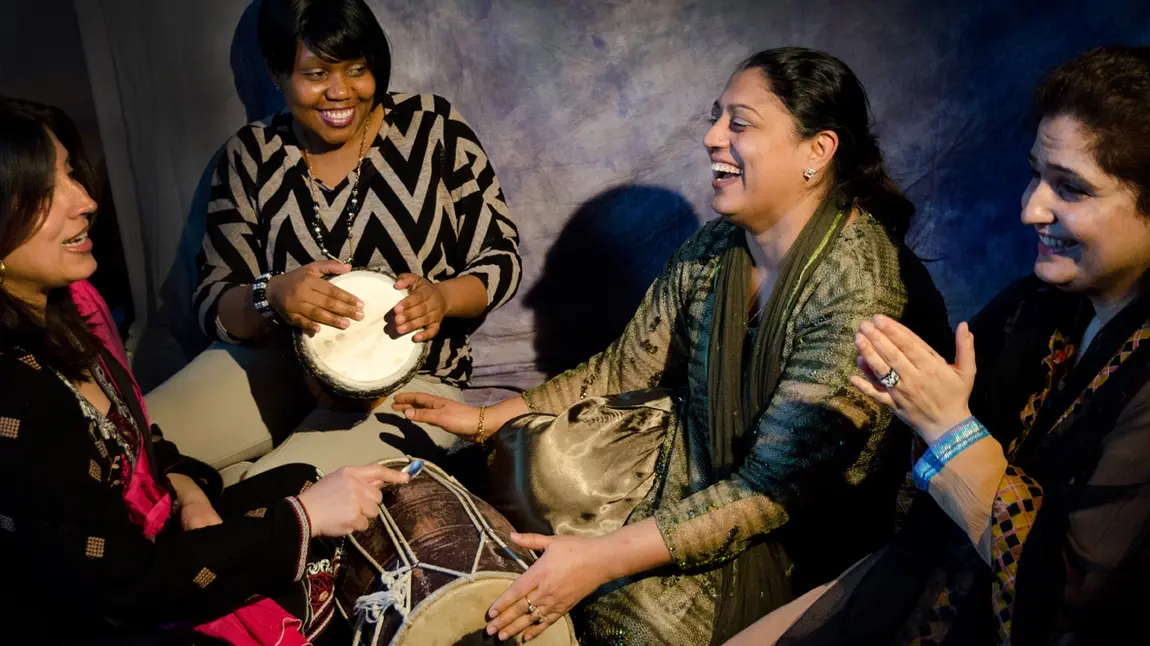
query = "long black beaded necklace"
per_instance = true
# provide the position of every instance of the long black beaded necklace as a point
(352, 202)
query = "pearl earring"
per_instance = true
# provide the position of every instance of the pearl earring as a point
(808, 174)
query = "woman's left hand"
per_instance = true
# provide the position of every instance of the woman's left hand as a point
(423, 309)
(197, 515)
(570, 569)
(931, 395)
(195, 509)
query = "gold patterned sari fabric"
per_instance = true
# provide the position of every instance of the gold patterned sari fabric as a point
(589, 460)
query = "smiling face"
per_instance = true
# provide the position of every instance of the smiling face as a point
(1092, 239)
(757, 157)
(332, 101)
(59, 252)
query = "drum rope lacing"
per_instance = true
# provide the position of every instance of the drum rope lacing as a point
(395, 586)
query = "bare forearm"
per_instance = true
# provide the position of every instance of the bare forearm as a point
(239, 316)
(505, 411)
(635, 548)
(466, 296)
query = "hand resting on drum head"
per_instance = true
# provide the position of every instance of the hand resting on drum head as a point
(423, 309)
(347, 500)
(304, 299)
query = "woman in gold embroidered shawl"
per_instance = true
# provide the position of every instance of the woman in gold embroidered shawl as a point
(738, 467)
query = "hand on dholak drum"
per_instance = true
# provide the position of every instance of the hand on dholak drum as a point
(449, 415)
(570, 569)
(347, 500)
(903, 372)
(304, 299)
(423, 309)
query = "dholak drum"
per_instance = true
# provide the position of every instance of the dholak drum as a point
(369, 360)
(427, 570)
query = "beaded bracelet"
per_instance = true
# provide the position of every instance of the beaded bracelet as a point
(953, 442)
(260, 297)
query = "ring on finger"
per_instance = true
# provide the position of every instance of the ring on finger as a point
(890, 379)
(531, 608)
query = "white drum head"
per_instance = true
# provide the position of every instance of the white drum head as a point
(369, 359)
(457, 611)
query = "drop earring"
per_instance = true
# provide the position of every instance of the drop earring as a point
(808, 174)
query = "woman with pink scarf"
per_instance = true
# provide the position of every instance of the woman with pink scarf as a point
(108, 534)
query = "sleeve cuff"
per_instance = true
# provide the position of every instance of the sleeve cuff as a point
(702, 531)
(528, 398)
(207, 478)
(482, 274)
(304, 537)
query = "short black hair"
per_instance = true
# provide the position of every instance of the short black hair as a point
(1108, 90)
(336, 30)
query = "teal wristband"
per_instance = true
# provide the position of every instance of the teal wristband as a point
(945, 448)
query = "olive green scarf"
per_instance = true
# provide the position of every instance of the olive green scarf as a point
(756, 581)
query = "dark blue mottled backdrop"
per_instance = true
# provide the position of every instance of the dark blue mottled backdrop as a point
(593, 113)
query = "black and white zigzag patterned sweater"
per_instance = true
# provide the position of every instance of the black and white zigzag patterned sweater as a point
(429, 204)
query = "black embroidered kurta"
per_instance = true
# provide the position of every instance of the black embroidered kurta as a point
(76, 562)
(430, 204)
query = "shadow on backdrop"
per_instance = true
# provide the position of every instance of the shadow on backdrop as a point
(254, 85)
(599, 268)
(178, 339)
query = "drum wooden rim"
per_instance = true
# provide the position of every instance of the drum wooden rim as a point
(335, 387)
(401, 637)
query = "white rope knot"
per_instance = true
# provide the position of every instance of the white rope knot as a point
(394, 587)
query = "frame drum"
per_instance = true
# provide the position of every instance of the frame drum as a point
(370, 359)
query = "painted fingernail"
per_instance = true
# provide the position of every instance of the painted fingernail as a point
(359, 315)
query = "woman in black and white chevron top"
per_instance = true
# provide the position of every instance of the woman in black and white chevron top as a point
(352, 175)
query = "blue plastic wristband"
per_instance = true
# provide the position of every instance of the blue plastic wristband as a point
(945, 448)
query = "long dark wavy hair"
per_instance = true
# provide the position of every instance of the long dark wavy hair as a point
(60, 337)
(821, 93)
